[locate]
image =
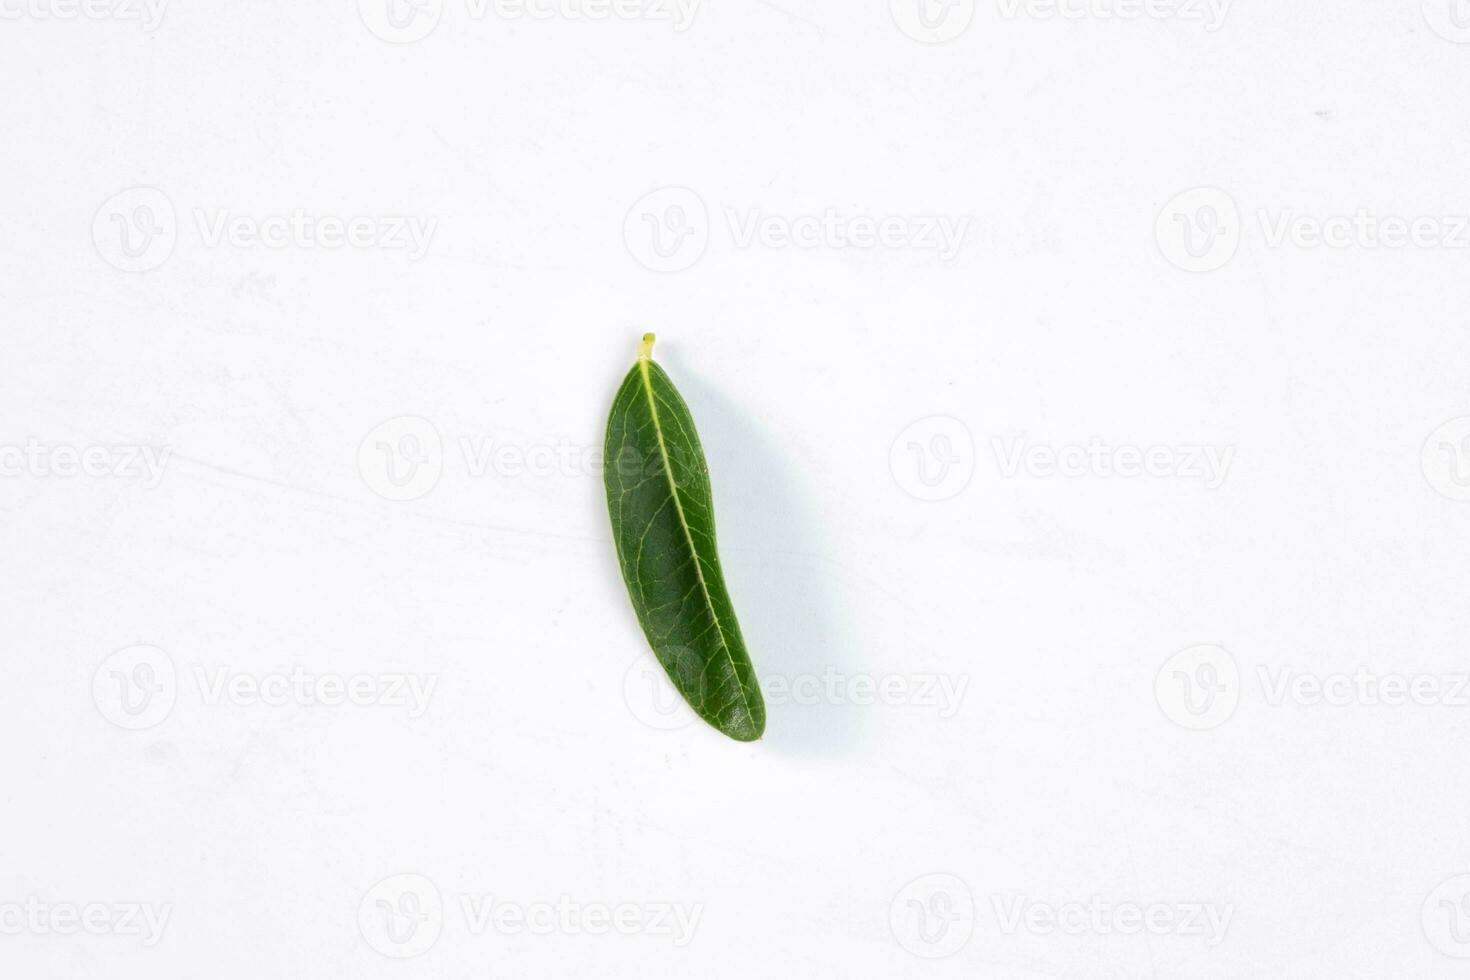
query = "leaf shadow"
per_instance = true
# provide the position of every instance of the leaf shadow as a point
(775, 557)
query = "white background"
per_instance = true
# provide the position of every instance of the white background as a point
(835, 385)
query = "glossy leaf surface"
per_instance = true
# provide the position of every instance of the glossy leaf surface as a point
(663, 521)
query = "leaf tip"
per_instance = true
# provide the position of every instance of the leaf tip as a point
(749, 728)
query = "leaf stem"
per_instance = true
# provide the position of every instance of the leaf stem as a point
(645, 349)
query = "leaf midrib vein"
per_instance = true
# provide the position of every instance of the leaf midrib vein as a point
(709, 602)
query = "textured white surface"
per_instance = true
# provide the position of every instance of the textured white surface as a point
(893, 280)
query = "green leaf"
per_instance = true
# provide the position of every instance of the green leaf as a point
(663, 521)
